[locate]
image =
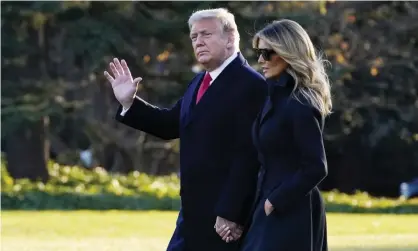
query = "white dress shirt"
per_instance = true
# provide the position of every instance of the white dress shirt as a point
(213, 74)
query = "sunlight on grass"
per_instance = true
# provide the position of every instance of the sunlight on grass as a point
(150, 231)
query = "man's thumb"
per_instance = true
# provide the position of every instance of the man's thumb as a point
(137, 80)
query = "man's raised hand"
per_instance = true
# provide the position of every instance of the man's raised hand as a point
(124, 87)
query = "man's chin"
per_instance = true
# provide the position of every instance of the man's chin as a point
(203, 60)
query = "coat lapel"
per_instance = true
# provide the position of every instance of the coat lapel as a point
(211, 94)
(189, 98)
(267, 109)
(284, 81)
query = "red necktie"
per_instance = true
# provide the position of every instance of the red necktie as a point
(203, 87)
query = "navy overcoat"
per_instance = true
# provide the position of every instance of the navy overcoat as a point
(288, 136)
(218, 161)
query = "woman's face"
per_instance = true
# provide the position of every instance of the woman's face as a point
(271, 63)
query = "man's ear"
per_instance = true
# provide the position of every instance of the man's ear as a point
(230, 42)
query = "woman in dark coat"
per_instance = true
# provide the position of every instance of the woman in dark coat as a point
(289, 213)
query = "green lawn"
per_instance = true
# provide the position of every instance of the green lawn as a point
(151, 230)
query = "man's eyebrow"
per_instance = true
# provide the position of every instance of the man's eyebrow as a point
(197, 32)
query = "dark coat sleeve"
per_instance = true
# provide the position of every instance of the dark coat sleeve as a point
(309, 150)
(160, 122)
(239, 191)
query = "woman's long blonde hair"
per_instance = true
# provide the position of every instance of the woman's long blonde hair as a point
(292, 43)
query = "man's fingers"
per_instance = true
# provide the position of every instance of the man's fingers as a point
(236, 234)
(219, 230)
(115, 72)
(229, 231)
(224, 231)
(125, 68)
(118, 66)
(109, 77)
(226, 237)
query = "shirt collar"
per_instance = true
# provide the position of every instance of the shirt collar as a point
(215, 73)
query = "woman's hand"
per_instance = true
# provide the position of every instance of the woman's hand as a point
(268, 207)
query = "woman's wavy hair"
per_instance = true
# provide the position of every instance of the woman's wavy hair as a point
(292, 43)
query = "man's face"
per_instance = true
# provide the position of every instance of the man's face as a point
(209, 42)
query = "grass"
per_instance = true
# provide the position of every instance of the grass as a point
(151, 230)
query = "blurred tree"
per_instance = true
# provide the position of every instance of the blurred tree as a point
(375, 43)
(54, 55)
(28, 89)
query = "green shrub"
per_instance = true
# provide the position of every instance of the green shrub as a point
(361, 202)
(72, 188)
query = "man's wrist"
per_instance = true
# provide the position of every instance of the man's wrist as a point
(128, 104)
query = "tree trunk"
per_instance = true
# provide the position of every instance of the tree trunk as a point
(27, 151)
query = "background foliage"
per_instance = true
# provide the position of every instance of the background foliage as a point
(72, 187)
(56, 103)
